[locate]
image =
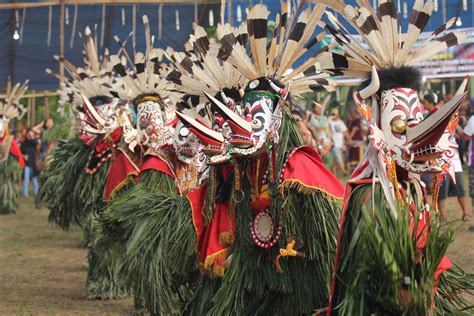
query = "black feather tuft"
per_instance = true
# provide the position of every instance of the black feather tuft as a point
(402, 77)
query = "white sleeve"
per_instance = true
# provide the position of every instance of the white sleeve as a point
(469, 129)
(343, 126)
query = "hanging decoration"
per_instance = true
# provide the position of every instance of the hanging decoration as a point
(160, 20)
(435, 5)
(405, 10)
(211, 18)
(176, 14)
(195, 12)
(66, 16)
(444, 11)
(50, 22)
(22, 25)
(74, 24)
(134, 27)
(464, 5)
(222, 11)
(102, 27)
(123, 16)
(239, 13)
(16, 35)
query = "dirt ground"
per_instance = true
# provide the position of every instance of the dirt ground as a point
(43, 271)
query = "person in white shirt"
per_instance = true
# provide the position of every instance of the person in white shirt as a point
(468, 135)
(449, 188)
(339, 133)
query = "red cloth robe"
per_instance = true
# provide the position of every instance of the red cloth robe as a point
(16, 152)
(303, 171)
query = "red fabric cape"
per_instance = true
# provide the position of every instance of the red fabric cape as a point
(156, 163)
(121, 171)
(305, 171)
(213, 238)
(15, 151)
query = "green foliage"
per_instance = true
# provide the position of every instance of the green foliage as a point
(384, 268)
(10, 175)
(453, 285)
(104, 278)
(155, 227)
(251, 284)
(69, 192)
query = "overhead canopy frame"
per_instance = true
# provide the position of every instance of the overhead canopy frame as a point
(46, 3)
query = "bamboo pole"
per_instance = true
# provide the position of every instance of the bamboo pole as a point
(46, 107)
(36, 95)
(28, 117)
(61, 36)
(33, 111)
(18, 5)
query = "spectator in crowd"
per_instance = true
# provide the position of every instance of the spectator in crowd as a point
(449, 188)
(317, 120)
(318, 123)
(305, 131)
(459, 139)
(340, 138)
(358, 134)
(468, 136)
(429, 102)
(30, 148)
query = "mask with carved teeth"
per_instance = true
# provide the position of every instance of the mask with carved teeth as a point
(401, 132)
(249, 130)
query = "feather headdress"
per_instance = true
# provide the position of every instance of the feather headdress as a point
(388, 46)
(91, 80)
(10, 106)
(199, 68)
(290, 41)
(148, 76)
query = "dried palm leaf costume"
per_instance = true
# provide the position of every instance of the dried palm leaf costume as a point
(391, 252)
(151, 221)
(73, 186)
(198, 70)
(286, 203)
(74, 183)
(11, 158)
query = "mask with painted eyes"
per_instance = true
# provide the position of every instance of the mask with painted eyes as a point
(401, 133)
(185, 144)
(98, 115)
(150, 123)
(261, 116)
(105, 106)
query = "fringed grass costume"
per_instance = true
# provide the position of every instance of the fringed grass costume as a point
(286, 203)
(151, 221)
(74, 183)
(198, 70)
(11, 158)
(391, 248)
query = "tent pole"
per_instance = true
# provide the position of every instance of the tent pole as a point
(33, 111)
(46, 107)
(229, 12)
(11, 48)
(61, 36)
(28, 117)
